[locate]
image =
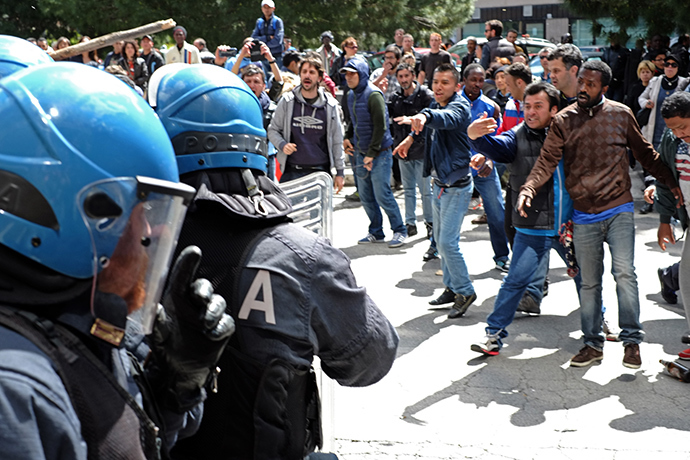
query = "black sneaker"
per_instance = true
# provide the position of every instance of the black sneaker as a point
(503, 265)
(462, 303)
(447, 296)
(646, 208)
(667, 293)
(429, 230)
(586, 356)
(411, 229)
(430, 254)
(353, 197)
(529, 305)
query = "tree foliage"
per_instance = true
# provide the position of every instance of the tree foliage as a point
(661, 16)
(371, 22)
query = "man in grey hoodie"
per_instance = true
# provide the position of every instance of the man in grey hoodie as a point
(306, 128)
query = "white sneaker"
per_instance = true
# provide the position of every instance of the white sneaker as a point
(398, 240)
(488, 346)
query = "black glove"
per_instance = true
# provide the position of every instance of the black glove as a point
(189, 335)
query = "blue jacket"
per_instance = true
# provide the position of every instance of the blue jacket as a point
(37, 416)
(263, 30)
(477, 108)
(447, 144)
(551, 207)
(371, 134)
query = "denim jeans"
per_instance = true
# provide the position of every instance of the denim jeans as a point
(619, 233)
(375, 190)
(450, 206)
(411, 172)
(536, 285)
(530, 254)
(490, 189)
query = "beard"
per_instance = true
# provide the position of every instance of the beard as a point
(587, 102)
(125, 274)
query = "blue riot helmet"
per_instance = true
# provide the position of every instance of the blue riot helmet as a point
(17, 54)
(212, 118)
(89, 185)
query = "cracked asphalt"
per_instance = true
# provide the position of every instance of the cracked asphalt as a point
(443, 401)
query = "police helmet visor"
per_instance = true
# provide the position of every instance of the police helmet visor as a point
(134, 224)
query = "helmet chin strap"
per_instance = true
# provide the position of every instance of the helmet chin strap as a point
(255, 193)
(110, 317)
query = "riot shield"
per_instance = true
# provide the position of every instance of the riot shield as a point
(312, 208)
(312, 202)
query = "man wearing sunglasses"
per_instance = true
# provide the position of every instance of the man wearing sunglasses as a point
(496, 46)
(544, 61)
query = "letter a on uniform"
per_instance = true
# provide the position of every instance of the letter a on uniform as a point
(262, 282)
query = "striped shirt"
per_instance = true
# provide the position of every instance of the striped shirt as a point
(683, 162)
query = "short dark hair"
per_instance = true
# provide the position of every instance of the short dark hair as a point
(496, 25)
(550, 90)
(290, 57)
(569, 54)
(446, 67)
(471, 68)
(404, 66)
(393, 49)
(252, 69)
(521, 71)
(514, 31)
(602, 68)
(676, 105)
(316, 63)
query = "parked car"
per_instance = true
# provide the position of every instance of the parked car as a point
(536, 68)
(529, 44)
(588, 53)
(592, 52)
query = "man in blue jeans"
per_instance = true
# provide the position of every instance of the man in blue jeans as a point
(536, 231)
(448, 162)
(369, 141)
(486, 180)
(409, 100)
(592, 138)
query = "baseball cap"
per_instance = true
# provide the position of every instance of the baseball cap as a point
(348, 69)
(150, 37)
(269, 3)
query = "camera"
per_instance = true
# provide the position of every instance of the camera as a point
(230, 52)
(256, 50)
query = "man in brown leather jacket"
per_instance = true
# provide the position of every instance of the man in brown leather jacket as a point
(591, 137)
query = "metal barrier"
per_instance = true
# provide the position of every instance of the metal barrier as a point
(312, 202)
(312, 208)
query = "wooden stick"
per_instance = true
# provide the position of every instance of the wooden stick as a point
(107, 40)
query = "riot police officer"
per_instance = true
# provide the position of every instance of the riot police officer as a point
(90, 209)
(291, 294)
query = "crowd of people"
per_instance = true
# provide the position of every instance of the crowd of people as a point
(557, 148)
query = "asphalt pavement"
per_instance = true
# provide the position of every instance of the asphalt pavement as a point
(443, 401)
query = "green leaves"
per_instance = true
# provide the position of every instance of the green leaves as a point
(371, 22)
(661, 16)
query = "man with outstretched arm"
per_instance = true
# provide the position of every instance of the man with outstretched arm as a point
(597, 179)
(444, 124)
